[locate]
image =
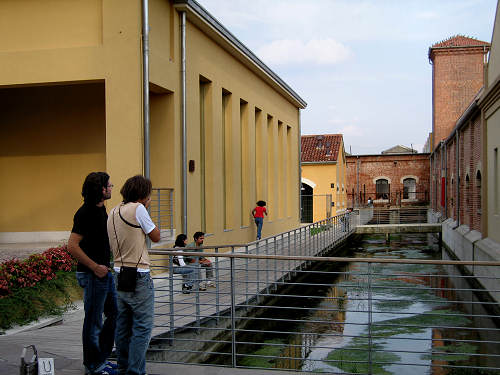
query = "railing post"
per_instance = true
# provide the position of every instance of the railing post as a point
(275, 262)
(246, 279)
(370, 318)
(217, 290)
(233, 312)
(197, 298)
(267, 266)
(171, 295)
(258, 270)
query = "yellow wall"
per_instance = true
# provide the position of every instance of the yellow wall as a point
(84, 57)
(323, 175)
(50, 138)
(256, 149)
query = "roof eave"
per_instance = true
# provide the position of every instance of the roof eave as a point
(206, 22)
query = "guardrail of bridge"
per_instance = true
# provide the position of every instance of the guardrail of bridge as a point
(277, 304)
(396, 215)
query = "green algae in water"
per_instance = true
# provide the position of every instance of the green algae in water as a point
(273, 351)
(354, 358)
(458, 352)
(419, 323)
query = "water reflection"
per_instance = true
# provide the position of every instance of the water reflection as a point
(383, 318)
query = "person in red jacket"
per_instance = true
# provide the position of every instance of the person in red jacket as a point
(258, 215)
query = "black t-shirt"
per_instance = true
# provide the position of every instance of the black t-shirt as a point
(90, 222)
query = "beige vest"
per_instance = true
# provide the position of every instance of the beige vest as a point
(130, 239)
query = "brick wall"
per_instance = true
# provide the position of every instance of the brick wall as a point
(363, 170)
(469, 173)
(457, 77)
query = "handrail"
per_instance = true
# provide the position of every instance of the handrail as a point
(173, 252)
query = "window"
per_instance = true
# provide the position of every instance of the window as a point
(409, 188)
(332, 186)
(382, 188)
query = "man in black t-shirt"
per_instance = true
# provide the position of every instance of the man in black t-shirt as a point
(89, 244)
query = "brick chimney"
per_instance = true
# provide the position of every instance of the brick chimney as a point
(457, 76)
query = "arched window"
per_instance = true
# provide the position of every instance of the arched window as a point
(382, 188)
(409, 188)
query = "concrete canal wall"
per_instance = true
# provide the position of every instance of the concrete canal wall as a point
(468, 245)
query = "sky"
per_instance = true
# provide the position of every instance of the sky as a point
(361, 65)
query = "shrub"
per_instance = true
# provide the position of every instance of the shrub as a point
(16, 274)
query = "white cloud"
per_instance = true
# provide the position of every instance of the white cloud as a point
(352, 131)
(293, 51)
(426, 15)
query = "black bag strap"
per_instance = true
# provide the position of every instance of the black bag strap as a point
(116, 235)
(125, 221)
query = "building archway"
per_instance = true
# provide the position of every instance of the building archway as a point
(306, 203)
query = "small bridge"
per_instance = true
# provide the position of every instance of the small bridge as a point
(398, 228)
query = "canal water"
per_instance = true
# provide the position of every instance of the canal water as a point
(419, 323)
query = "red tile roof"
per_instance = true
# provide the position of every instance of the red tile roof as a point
(460, 41)
(318, 148)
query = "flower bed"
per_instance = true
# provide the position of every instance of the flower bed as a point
(16, 274)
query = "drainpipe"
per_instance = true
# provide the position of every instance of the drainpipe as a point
(457, 163)
(145, 85)
(184, 126)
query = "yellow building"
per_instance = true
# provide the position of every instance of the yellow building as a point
(490, 105)
(323, 176)
(83, 88)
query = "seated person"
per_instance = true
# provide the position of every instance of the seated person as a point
(199, 237)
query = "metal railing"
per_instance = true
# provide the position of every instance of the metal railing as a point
(390, 198)
(162, 211)
(408, 215)
(276, 304)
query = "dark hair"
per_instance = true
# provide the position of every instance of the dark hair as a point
(179, 241)
(136, 188)
(92, 187)
(261, 203)
(198, 235)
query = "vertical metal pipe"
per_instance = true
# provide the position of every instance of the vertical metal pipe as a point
(184, 123)
(145, 85)
(233, 312)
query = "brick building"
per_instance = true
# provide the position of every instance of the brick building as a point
(457, 71)
(456, 160)
(388, 179)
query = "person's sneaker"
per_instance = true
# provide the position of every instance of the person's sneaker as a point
(210, 284)
(203, 286)
(186, 289)
(108, 370)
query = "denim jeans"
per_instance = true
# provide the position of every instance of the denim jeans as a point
(188, 273)
(134, 325)
(259, 221)
(99, 297)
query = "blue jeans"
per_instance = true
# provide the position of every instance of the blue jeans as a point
(259, 221)
(134, 325)
(188, 273)
(99, 297)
